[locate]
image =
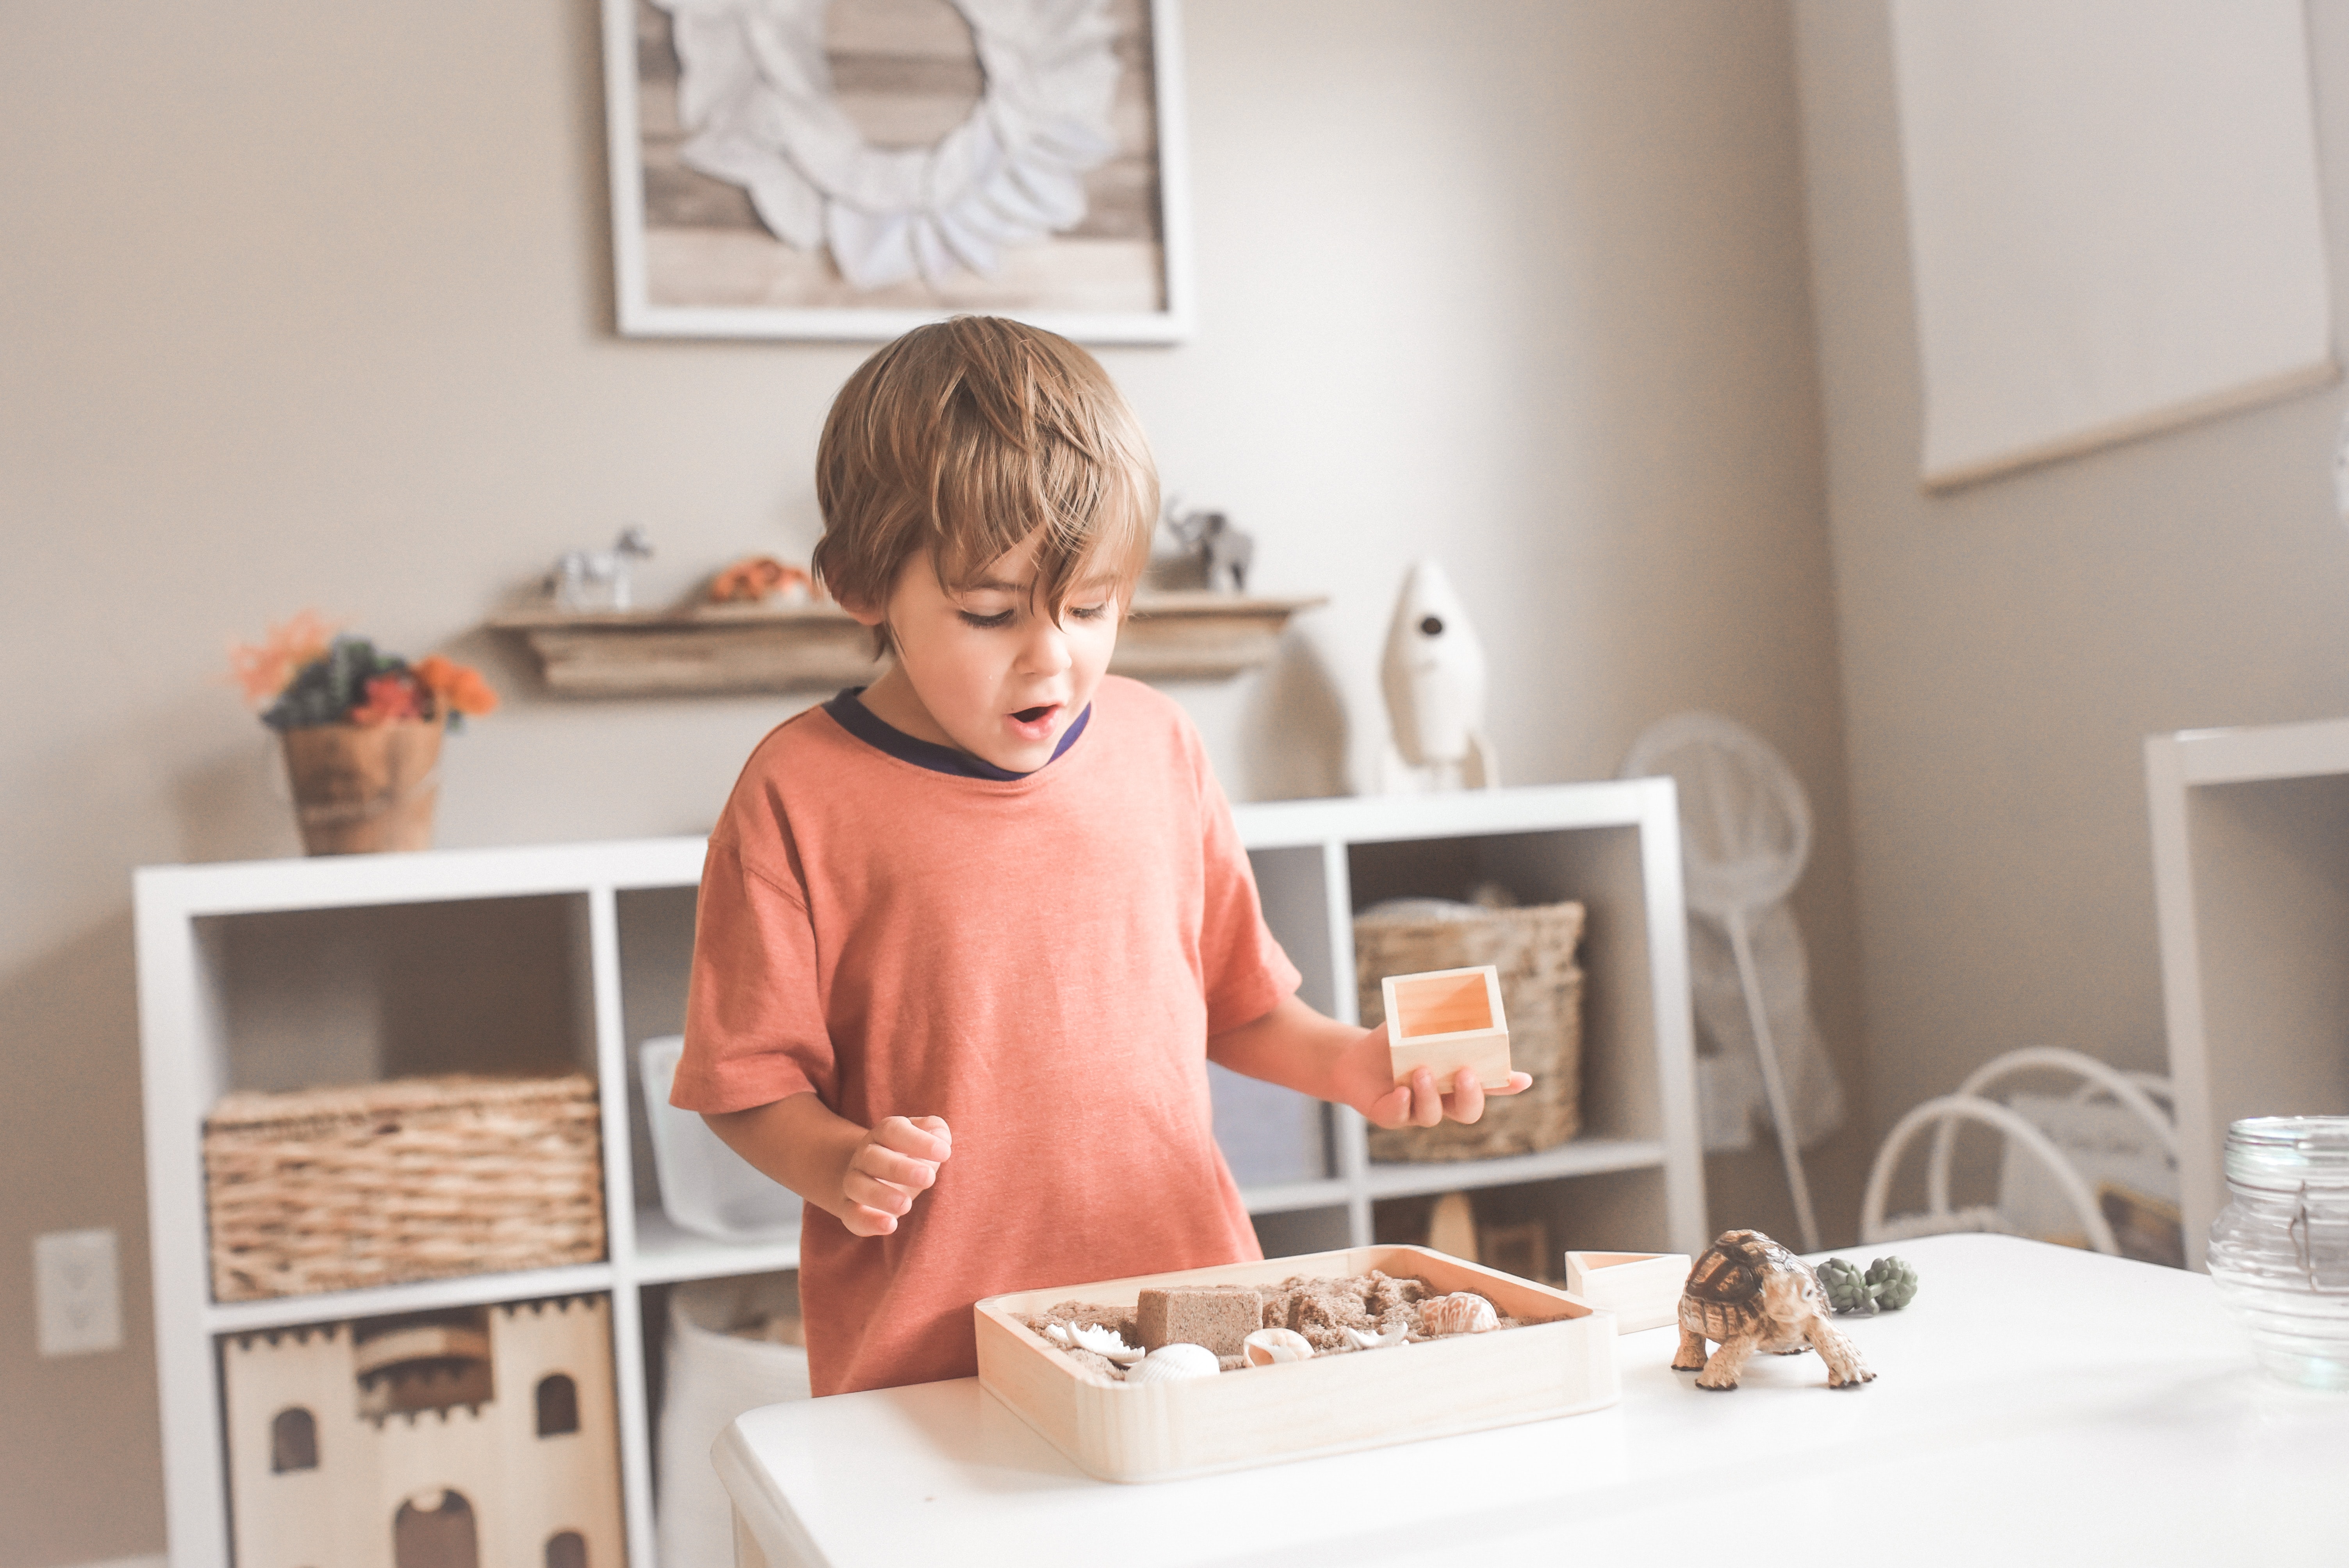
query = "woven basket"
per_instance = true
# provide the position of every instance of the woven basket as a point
(1541, 988)
(337, 1189)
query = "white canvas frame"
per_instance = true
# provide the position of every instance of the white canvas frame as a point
(639, 316)
(2114, 218)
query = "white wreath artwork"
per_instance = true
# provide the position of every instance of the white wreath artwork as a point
(757, 93)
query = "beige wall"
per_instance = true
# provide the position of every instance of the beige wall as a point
(308, 305)
(2006, 648)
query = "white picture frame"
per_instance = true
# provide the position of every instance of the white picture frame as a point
(656, 297)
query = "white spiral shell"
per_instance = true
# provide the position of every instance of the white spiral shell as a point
(1266, 1346)
(1102, 1342)
(1175, 1364)
(1105, 1342)
(1363, 1339)
(1462, 1312)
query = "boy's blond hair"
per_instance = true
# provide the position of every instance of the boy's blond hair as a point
(963, 438)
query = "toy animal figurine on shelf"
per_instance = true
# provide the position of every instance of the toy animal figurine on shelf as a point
(1748, 1294)
(1434, 672)
(598, 579)
(1221, 554)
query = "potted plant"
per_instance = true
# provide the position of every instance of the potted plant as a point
(361, 730)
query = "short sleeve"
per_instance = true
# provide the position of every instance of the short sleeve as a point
(754, 1029)
(1243, 970)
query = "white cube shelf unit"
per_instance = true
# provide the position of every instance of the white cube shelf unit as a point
(1613, 846)
(274, 974)
(2250, 878)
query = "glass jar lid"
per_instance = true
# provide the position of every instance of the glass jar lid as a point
(2288, 1152)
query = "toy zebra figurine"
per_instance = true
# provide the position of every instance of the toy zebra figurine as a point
(598, 579)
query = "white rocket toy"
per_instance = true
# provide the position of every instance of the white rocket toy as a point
(1434, 679)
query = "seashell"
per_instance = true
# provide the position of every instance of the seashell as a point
(1061, 1335)
(1105, 1342)
(1462, 1312)
(1266, 1346)
(1361, 1339)
(1175, 1364)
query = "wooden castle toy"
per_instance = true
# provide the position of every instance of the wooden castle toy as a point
(473, 1437)
(1449, 1021)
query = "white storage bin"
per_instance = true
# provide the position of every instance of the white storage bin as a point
(706, 1187)
(1268, 1134)
(713, 1376)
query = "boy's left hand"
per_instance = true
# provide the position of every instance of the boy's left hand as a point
(1366, 1073)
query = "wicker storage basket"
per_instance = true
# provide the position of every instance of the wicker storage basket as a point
(337, 1189)
(1541, 988)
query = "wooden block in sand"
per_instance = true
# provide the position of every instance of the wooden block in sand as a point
(1217, 1316)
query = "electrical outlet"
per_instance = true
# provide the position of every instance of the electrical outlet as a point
(78, 1291)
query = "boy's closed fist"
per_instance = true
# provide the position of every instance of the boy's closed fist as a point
(895, 1163)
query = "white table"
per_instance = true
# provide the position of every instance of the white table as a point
(2034, 1404)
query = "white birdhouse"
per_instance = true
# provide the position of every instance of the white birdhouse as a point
(1434, 674)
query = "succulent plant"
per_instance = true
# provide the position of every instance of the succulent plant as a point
(1846, 1286)
(1893, 1282)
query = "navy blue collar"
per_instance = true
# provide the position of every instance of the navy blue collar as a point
(859, 721)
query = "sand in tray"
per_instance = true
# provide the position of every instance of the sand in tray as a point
(1319, 1309)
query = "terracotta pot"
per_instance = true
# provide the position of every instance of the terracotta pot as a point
(360, 788)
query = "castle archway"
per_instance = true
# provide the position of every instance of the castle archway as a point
(435, 1532)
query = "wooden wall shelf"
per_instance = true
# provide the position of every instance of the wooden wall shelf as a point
(1187, 636)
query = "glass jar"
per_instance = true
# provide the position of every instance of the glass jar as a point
(2280, 1251)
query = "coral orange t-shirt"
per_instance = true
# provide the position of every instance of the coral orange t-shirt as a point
(1040, 960)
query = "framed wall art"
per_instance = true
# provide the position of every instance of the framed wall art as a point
(849, 169)
(2116, 223)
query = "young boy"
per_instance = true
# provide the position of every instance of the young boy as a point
(968, 936)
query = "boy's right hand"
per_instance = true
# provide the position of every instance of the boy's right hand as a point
(895, 1163)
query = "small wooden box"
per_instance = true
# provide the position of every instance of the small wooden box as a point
(1561, 1364)
(1449, 1021)
(1641, 1289)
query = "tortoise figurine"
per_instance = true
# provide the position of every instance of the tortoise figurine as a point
(1748, 1294)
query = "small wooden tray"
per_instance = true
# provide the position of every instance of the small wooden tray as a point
(1561, 1365)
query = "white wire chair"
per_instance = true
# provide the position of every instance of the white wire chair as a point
(2143, 1094)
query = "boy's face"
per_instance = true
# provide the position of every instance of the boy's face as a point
(985, 669)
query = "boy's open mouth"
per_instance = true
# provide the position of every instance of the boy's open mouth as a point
(1030, 715)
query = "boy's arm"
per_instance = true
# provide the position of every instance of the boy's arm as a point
(866, 1180)
(1296, 1047)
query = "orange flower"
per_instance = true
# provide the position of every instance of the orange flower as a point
(389, 697)
(455, 687)
(262, 671)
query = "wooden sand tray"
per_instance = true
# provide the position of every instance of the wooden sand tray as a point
(1561, 1363)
